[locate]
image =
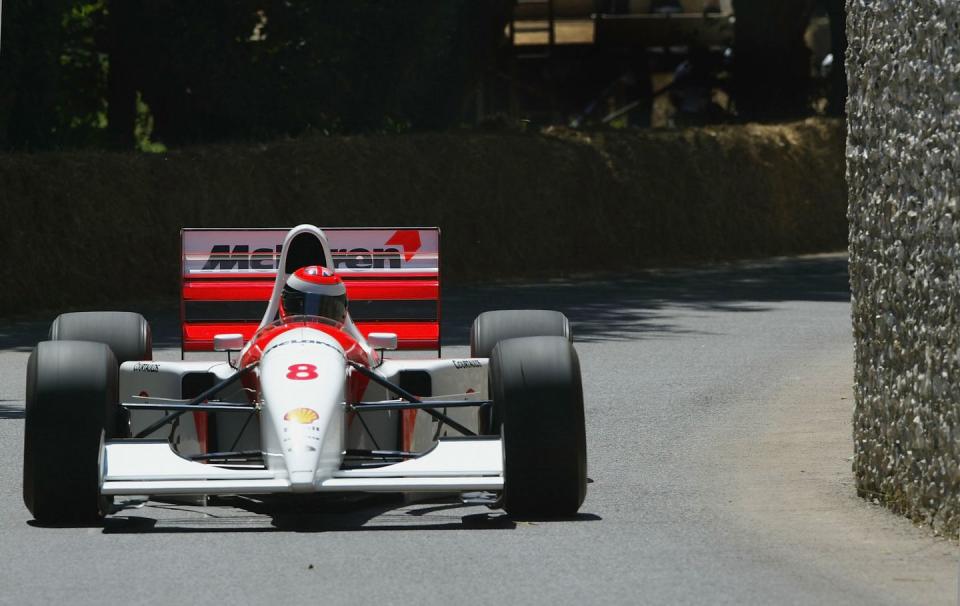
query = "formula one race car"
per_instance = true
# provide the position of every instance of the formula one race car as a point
(306, 400)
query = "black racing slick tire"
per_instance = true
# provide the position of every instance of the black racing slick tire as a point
(127, 334)
(536, 389)
(71, 402)
(491, 327)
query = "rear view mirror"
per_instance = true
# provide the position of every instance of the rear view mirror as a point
(382, 340)
(228, 342)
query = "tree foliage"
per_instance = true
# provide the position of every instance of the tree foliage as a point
(75, 73)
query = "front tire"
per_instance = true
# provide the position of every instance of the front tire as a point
(536, 388)
(71, 403)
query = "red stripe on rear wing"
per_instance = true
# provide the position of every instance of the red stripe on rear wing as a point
(392, 277)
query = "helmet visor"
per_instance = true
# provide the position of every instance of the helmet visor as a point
(296, 303)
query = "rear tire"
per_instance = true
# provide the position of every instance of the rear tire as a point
(491, 327)
(127, 334)
(536, 388)
(71, 403)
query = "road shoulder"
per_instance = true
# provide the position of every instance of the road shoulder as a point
(789, 486)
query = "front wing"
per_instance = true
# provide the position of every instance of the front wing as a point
(151, 467)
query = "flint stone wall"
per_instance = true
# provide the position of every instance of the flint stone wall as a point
(902, 167)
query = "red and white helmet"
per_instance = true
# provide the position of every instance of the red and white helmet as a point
(314, 291)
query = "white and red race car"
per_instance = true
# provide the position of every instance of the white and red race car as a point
(305, 404)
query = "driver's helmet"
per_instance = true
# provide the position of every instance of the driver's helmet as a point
(314, 291)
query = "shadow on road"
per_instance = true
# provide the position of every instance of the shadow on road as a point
(621, 307)
(314, 514)
(638, 304)
(11, 411)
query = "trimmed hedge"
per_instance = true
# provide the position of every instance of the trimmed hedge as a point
(86, 228)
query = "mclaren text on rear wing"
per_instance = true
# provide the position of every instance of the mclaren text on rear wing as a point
(392, 277)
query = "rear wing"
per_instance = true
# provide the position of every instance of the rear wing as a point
(392, 277)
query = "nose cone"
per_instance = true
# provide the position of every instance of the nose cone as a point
(303, 376)
(302, 481)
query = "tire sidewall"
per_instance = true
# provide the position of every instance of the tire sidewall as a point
(70, 412)
(536, 387)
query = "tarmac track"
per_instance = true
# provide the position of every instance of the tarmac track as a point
(708, 391)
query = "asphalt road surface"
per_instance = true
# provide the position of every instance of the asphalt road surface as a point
(718, 426)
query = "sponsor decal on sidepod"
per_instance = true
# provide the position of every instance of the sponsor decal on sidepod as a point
(467, 364)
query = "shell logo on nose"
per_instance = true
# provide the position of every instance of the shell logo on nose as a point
(301, 415)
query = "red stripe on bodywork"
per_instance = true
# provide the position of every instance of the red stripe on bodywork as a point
(199, 337)
(410, 335)
(383, 290)
(408, 420)
(227, 290)
(200, 422)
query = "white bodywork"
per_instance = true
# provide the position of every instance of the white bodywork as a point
(274, 304)
(303, 456)
(301, 424)
(151, 467)
(306, 451)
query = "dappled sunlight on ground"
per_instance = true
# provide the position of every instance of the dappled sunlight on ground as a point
(600, 307)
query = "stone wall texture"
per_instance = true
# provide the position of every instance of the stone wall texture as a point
(902, 168)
